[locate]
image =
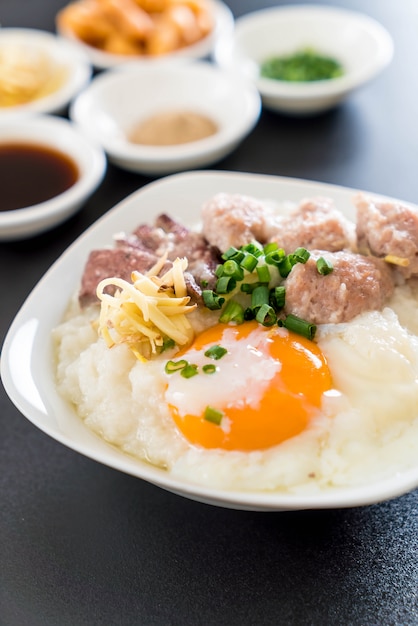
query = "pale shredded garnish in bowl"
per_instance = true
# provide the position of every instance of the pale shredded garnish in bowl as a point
(147, 312)
(26, 74)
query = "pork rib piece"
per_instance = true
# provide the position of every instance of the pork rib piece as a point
(141, 249)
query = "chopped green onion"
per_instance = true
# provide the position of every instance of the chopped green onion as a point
(277, 297)
(230, 253)
(324, 266)
(209, 368)
(211, 300)
(204, 283)
(231, 268)
(270, 247)
(167, 344)
(233, 253)
(189, 370)
(299, 326)
(249, 314)
(266, 315)
(216, 352)
(225, 284)
(259, 296)
(301, 255)
(275, 257)
(175, 366)
(253, 248)
(263, 273)
(249, 262)
(265, 302)
(213, 415)
(285, 266)
(301, 66)
(233, 312)
(249, 287)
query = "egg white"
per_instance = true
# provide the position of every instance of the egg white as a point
(243, 375)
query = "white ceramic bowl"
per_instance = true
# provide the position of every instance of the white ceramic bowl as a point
(117, 100)
(360, 43)
(72, 64)
(60, 135)
(223, 28)
(27, 363)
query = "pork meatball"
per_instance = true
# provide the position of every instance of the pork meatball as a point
(314, 224)
(356, 284)
(234, 220)
(388, 229)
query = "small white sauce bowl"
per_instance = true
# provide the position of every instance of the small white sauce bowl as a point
(60, 135)
(358, 42)
(73, 62)
(223, 28)
(119, 99)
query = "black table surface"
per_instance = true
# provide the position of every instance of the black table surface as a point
(82, 544)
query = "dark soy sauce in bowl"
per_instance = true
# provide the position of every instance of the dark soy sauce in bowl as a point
(33, 173)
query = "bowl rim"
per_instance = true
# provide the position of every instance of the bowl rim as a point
(123, 149)
(88, 180)
(306, 90)
(224, 25)
(76, 60)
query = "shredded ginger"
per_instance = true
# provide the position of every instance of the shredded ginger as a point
(146, 312)
(26, 74)
(396, 260)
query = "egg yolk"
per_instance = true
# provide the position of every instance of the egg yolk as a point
(267, 386)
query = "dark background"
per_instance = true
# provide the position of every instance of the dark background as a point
(81, 544)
